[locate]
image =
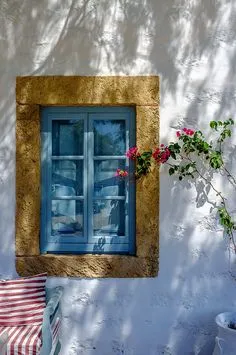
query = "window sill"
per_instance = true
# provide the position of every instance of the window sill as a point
(87, 265)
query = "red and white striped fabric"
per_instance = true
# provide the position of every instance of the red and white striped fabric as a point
(22, 301)
(27, 340)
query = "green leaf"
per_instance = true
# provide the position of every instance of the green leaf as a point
(146, 155)
(171, 171)
(213, 124)
(216, 160)
(227, 132)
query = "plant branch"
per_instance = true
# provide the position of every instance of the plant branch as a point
(218, 193)
(231, 237)
(229, 175)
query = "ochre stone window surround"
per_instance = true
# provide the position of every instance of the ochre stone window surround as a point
(141, 92)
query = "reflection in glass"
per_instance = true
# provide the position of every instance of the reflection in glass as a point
(109, 217)
(67, 137)
(67, 178)
(109, 137)
(105, 181)
(67, 217)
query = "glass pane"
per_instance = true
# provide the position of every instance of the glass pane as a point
(67, 178)
(109, 137)
(67, 137)
(67, 217)
(109, 217)
(105, 181)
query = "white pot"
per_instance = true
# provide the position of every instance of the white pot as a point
(226, 338)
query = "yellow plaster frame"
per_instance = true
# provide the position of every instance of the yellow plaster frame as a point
(35, 91)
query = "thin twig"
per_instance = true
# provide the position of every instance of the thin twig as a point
(229, 175)
(218, 193)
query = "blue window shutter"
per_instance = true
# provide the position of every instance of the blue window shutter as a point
(84, 207)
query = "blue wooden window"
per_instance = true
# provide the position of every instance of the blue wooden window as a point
(84, 207)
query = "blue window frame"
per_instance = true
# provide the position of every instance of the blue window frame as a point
(84, 207)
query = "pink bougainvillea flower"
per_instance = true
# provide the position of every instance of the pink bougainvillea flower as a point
(132, 153)
(161, 154)
(121, 173)
(187, 131)
(190, 132)
(178, 134)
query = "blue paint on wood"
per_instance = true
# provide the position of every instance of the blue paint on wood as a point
(84, 212)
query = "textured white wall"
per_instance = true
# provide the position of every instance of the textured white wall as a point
(191, 44)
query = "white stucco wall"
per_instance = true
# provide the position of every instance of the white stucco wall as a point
(191, 44)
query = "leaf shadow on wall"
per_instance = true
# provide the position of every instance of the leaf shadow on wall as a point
(187, 44)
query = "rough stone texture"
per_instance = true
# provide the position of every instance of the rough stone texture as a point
(82, 90)
(88, 265)
(27, 184)
(147, 126)
(147, 215)
(34, 91)
(192, 46)
(27, 112)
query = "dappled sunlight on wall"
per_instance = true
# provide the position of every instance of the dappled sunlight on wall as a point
(192, 46)
(7, 179)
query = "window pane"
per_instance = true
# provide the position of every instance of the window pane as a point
(109, 217)
(105, 181)
(67, 217)
(67, 178)
(109, 137)
(67, 137)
